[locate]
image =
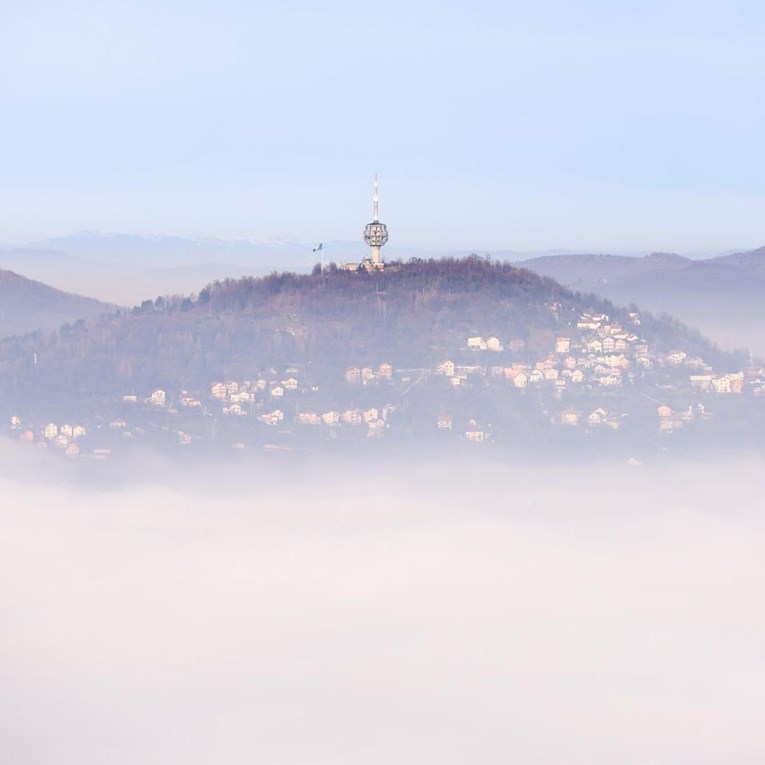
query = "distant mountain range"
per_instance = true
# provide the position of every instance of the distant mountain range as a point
(27, 305)
(721, 296)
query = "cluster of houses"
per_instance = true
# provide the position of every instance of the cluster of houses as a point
(64, 436)
(603, 354)
(597, 354)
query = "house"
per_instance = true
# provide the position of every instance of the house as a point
(331, 418)
(551, 373)
(277, 391)
(308, 418)
(290, 383)
(79, 431)
(352, 416)
(218, 390)
(385, 371)
(476, 436)
(570, 417)
(493, 344)
(536, 376)
(664, 411)
(445, 368)
(273, 418)
(235, 409)
(130, 398)
(370, 415)
(616, 360)
(444, 422)
(521, 379)
(594, 345)
(158, 398)
(15, 422)
(701, 381)
(675, 358)
(353, 375)
(597, 417)
(51, 431)
(562, 344)
(190, 401)
(367, 375)
(476, 344)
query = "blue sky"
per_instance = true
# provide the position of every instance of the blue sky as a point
(593, 125)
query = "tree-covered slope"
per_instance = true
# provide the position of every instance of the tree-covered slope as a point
(411, 315)
(27, 305)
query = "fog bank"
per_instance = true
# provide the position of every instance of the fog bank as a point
(436, 615)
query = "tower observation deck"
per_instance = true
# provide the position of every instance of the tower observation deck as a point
(376, 233)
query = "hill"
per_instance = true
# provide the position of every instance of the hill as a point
(721, 296)
(424, 350)
(27, 305)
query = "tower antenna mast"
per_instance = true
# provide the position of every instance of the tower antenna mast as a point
(376, 233)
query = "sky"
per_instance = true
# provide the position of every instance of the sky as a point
(494, 125)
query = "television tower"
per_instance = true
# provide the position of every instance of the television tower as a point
(376, 233)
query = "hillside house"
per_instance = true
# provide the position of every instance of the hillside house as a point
(331, 418)
(570, 417)
(352, 416)
(445, 368)
(272, 418)
(563, 345)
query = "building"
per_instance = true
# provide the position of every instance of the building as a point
(376, 233)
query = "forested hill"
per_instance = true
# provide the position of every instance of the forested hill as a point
(412, 314)
(27, 305)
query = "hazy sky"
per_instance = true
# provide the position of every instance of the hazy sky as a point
(591, 125)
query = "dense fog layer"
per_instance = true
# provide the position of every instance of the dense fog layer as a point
(451, 614)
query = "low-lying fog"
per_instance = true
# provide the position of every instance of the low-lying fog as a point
(451, 614)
